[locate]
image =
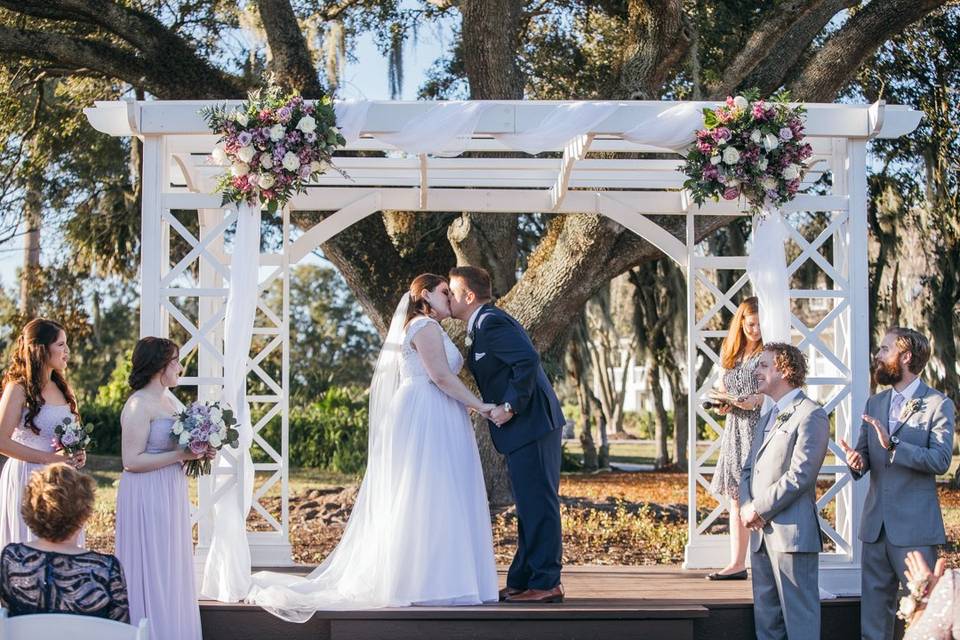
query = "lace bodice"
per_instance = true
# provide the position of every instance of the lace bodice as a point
(411, 366)
(46, 420)
(34, 581)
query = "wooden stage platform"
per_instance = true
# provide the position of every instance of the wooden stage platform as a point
(607, 603)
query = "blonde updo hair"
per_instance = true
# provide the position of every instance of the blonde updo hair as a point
(58, 500)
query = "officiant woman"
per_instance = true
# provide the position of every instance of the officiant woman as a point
(738, 357)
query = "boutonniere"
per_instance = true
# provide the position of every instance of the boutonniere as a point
(782, 417)
(914, 405)
(468, 341)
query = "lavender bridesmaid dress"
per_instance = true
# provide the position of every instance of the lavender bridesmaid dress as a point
(16, 473)
(155, 546)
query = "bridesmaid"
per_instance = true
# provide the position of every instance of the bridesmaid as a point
(738, 356)
(154, 541)
(36, 398)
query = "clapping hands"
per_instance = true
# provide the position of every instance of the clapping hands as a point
(854, 459)
(880, 429)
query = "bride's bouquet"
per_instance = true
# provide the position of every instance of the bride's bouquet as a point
(71, 437)
(749, 147)
(274, 145)
(203, 427)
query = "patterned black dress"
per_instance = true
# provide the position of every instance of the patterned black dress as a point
(35, 581)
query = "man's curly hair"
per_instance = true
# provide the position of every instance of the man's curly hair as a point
(789, 361)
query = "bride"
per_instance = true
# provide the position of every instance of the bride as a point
(419, 533)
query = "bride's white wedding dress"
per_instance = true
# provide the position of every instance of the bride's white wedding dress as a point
(420, 531)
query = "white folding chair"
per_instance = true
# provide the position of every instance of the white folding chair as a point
(63, 625)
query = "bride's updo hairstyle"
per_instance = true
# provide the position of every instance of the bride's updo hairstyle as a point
(418, 305)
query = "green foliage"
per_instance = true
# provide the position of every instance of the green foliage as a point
(330, 433)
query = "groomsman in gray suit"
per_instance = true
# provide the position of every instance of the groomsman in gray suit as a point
(777, 490)
(905, 442)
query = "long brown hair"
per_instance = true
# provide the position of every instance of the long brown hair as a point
(30, 355)
(418, 305)
(735, 344)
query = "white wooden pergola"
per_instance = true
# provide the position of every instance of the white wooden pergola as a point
(177, 177)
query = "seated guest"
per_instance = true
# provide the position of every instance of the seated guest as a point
(52, 574)
(779, 502)
(905, 442)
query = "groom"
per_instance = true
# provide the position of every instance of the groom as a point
(525, 427)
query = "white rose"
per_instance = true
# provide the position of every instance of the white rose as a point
(214, 440)
(791, 172)
(215, 414)
(246, 153)
(307, 124)
(290, 161)
(177, 428)
(277, 132)
(184, 438)
(770, 142)
(769, 183)
(731, 155)
(266, 161)
(762, 163)
(319, 167)
(266, 181)
(240, 169)
(741, 103)
(714, 159)
(756, 136)
(241, 118)
(907, 606)
(218, 154)
(222, 432)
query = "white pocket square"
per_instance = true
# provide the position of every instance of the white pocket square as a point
(477, 356)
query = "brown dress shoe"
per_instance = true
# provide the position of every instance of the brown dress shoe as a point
(539, 596)
(507, 592)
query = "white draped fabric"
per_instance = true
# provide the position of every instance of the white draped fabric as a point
(444, 130)
(767, 269)
(226, 574)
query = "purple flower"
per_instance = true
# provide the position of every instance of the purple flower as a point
(721, 134)
(293, 137)
(310, 137)
(731, 193)
(244, 138)
(786, 133)
(759, 110)
(710, 172)
(198, 446)
(69, 438)
(284, 113)
(304, 171)
(704, 147)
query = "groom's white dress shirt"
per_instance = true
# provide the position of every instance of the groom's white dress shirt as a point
(473, 318)
(778, 407)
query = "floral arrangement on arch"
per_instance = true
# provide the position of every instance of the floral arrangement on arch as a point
(274, 143)
(750, 148)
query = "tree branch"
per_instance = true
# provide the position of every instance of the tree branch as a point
(177, 76)
(830, 68)
(774, 48)
(291, 57)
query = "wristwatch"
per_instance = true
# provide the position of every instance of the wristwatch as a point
(894, 441)
(507, 407)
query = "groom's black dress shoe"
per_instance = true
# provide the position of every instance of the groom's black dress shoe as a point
(538, 596)
(506, 592)
(739, 575)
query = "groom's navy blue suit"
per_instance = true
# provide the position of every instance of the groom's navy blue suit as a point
(507, 368)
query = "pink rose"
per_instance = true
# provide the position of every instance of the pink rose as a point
(731, 193)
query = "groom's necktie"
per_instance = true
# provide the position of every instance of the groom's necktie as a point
(896, 406)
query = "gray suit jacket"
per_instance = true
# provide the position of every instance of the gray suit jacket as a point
(780, 477)
(903, 486)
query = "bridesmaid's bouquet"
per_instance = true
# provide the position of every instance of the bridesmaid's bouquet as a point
(203, 427)
(71, 437)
